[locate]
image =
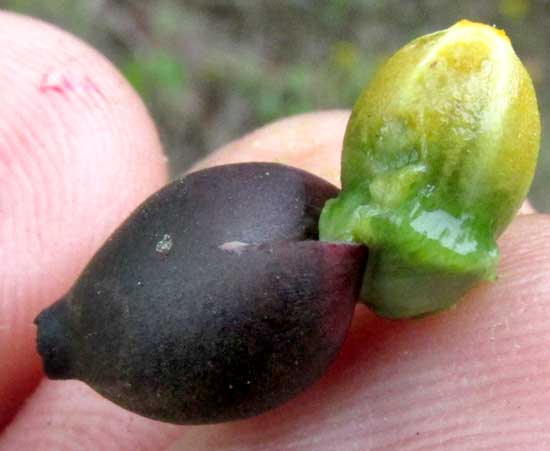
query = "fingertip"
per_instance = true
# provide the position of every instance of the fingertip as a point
(78, 152)
(311, 141)
(68, 415)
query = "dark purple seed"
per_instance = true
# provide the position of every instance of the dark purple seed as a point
(212, 302)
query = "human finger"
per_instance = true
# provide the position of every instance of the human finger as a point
(77, 152)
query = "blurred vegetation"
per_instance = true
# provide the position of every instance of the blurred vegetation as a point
(211, 70)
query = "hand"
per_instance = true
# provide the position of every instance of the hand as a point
(78, 153)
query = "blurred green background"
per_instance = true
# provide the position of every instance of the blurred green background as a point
(211, 70)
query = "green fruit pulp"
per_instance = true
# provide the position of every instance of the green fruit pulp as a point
(438, 156)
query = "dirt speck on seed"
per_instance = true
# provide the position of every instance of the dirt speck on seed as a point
(164, 246)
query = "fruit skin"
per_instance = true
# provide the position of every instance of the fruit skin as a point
(438, 156)
(211, 302)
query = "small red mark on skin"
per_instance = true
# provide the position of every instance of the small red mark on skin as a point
(65, 82)
(56, 81)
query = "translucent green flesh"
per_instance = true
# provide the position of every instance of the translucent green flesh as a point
(422, 258)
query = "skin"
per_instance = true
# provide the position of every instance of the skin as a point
(72, 166)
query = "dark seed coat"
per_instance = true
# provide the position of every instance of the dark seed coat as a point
(212, 302)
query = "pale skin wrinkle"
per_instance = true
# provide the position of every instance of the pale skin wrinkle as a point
(475, 377)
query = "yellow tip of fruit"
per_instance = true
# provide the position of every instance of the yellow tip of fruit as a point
(467, 24)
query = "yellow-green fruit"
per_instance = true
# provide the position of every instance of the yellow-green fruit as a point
(438, 156)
